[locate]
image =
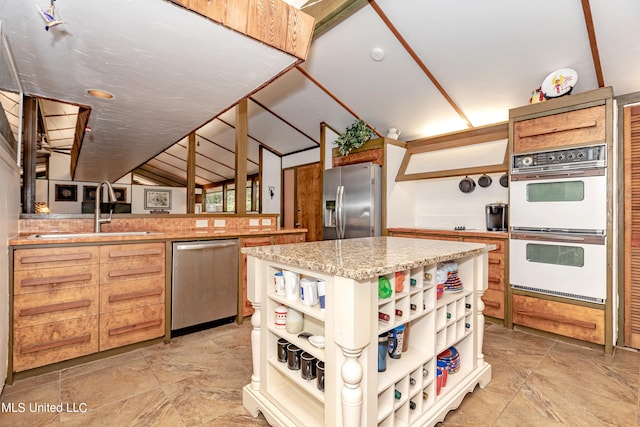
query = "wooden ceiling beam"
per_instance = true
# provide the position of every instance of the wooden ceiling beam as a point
(593, 43)
(329, 13)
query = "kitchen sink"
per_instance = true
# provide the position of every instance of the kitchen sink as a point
(81, 235)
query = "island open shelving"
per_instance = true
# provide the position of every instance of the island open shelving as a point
(355, 393)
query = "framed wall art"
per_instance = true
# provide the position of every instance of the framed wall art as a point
(66, 193)
(157, 199)
(89, 193)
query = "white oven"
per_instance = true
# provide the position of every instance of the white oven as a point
(558, 222)
(566, 265)
(571, 200)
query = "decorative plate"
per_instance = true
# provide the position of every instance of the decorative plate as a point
(559, 83)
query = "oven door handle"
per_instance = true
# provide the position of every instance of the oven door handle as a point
(558, 175)
(593, 240)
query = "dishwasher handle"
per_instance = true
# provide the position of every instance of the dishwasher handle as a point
(204, 245)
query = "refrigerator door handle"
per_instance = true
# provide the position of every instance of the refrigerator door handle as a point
(339, 212)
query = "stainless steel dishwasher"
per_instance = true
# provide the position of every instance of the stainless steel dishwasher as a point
(204, 282)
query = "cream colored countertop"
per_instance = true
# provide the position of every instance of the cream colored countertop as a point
(367, 257)
(194, 234)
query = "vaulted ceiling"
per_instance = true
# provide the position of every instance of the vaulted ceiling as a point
(426, 67)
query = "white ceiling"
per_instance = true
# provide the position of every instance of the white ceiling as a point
(487, 56)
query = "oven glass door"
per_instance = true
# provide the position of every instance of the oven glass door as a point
(562, 268)
(566, 203)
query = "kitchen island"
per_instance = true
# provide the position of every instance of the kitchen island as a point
(408, 392)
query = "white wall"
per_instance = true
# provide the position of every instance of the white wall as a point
(302, 158)
(271, 177)
(9, 213)
(401, 196)
(441, 204)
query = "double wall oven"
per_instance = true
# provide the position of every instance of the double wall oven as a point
(558, 222)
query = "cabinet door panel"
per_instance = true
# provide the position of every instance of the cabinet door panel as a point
(41, 345)
(570, 320)
(125, 327)
(579, 127)
(54, 306)
(50, 279)
(493, 303)
(131, 270)
(36, 258)
(131, 252)
(130, 294)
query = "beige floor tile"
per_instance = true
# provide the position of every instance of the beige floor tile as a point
(97, 365)
(31, 382)
(150, 408)
(108, 385)
(30, 406)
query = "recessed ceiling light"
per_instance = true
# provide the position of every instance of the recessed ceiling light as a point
(99, 93)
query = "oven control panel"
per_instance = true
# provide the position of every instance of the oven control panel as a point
(569, 158)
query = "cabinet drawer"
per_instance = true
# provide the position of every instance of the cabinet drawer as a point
(281, 239)
(131, 252)
(53, 342)
(496, 277)
(131, 270)
(54, 306)
(49, 279)
(31, 259)
(493, 303)
(130, 294)
(249, 242)
(579, 127)
(583, 323)
(125, 327)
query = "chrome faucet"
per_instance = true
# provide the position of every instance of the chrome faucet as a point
(112, 198)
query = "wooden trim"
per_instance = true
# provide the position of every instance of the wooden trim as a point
(25, 312)
(262, 144)
(242, 142)
(572, 102)
(135, 295)
(593, 43)
(191, 173)
(135, 327)
(80, 339)
(419, 62)
(457, 139)
(55, 280)
(135, 271)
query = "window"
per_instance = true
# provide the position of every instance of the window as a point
(222, 196)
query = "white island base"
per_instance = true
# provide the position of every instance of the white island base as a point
(355, 393)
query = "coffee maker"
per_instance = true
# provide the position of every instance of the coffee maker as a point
(496, 216)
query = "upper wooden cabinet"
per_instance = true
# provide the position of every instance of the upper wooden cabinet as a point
(578, 127)
(572, 120)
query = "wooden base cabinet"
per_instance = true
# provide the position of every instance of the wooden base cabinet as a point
(355, 393)
(71, 301)
(583, 323)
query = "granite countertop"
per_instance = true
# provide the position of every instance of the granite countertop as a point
(193, 234)
(367, 257)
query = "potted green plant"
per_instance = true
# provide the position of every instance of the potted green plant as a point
(355, 136)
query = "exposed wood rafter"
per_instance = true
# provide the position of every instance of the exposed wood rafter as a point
(335, 98)
(591, 32)
(418, 61)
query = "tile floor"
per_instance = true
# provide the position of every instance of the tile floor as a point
(196, 380)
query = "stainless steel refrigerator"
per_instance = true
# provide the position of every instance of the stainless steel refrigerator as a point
(352, 201)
